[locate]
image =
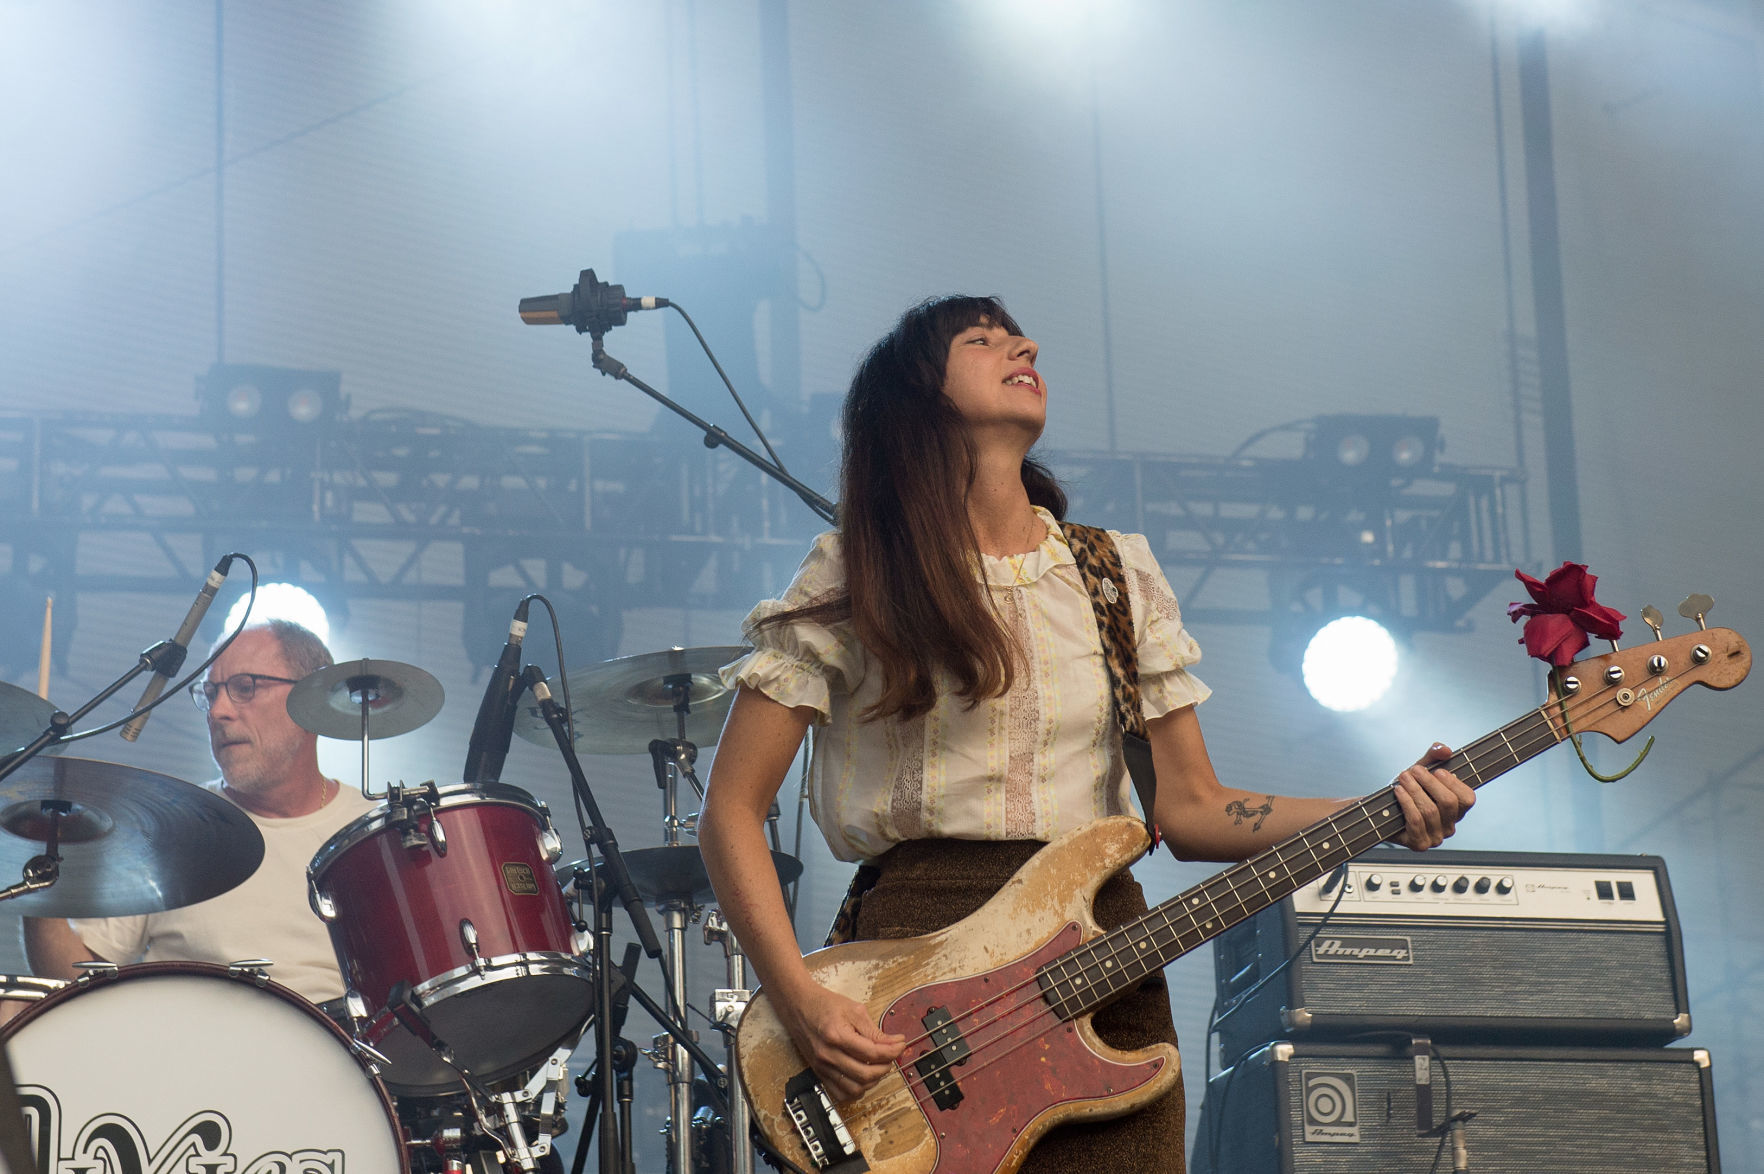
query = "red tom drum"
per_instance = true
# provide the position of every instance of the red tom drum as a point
(448, 892)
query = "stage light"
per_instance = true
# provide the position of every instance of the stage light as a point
(305, 405)
(1352, 450)
(244, 401)
(252, 399)
(1369, 451)
(1349, 663)
(284, 601)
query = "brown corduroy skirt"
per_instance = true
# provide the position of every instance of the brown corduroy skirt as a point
(924, 885)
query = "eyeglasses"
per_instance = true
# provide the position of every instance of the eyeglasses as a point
(241, 687)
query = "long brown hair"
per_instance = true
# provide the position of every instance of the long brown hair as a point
(912, 594)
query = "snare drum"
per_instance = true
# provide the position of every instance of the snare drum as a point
(449, 893)
(189, 1066)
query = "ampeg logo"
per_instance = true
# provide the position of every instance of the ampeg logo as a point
(1378, 951)
(1331, 1107)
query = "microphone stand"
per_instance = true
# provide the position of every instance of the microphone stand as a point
(44, 870)
(714, 437)
(617, 883)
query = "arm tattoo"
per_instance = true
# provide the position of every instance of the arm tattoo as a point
(1240, 811)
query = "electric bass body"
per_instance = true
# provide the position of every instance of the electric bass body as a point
(977, 1094)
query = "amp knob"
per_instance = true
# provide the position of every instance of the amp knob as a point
(1374, 882)
(1461, 885)
(1504, 885)
(1440, 882)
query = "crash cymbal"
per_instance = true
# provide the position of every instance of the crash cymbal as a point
(400, 696)
(131, 841)
(674, 872)
(23, 715)
(621, 705)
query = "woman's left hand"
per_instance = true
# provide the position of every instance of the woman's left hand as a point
(1432, 799)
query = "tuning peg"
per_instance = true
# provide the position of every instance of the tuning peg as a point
(1695, 607)
(1652, 618)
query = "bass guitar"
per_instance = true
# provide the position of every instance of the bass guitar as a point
(996, 1008)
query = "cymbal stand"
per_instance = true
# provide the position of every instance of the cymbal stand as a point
(674, 759)
(727, 1004)
(364, 691)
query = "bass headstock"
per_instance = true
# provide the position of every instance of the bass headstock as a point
(1619, 692)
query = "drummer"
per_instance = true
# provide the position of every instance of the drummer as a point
(269, 768)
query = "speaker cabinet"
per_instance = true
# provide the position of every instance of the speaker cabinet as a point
(1476, 947)
(1329, 1108)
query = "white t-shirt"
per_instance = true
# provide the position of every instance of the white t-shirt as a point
(268, 916)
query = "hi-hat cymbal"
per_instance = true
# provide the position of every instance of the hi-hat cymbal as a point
(23, 715)
(400, 698)
(620, 706)
(675, 872)
(131, 841)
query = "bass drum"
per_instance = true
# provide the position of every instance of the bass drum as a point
(189, 1066)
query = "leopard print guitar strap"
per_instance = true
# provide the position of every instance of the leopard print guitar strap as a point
(1099, 565)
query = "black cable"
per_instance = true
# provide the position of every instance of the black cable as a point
(725, 378)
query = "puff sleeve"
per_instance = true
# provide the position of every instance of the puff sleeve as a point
(798, 664)
(1165, 648)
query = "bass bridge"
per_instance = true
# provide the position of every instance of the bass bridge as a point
(822, 1130)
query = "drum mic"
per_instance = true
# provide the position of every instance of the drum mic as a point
(167, 659)
(494, 729)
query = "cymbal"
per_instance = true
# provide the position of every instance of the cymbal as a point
(132, 841)
(401, 697)
(673, 872)
(620, 706)
(23, 715)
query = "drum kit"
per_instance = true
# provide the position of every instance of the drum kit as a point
(474, 962)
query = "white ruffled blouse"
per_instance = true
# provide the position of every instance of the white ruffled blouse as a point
(1041, 760)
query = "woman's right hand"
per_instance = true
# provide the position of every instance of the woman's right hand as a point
(838, 1039)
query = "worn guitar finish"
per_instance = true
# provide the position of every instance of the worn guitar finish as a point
(996, 1008)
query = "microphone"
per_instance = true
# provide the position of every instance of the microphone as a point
(592, 306)
(168, 660)
(494, 728)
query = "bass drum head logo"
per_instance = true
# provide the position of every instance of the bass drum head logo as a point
(1332, 1107)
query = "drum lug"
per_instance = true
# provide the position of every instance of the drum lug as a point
(468, 936)
(437, 834)
(550, 844)
(355, 1006)
(255, 969)
(321, 901)
(95, 971)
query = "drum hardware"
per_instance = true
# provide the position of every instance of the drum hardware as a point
(365, 699)
(253, 969)
(121, 840)
(479, 936)
(727, 1004)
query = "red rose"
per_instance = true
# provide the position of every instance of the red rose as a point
(1564, 614)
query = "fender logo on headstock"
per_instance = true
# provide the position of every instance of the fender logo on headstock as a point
(1651, 695)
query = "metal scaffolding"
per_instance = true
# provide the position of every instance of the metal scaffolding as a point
(406, 505)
